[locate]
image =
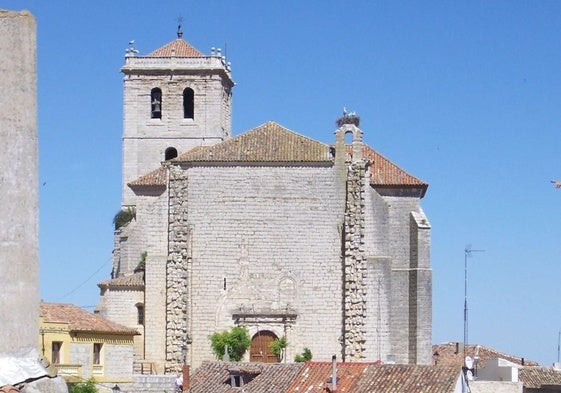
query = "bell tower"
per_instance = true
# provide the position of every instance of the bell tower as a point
(175, 98)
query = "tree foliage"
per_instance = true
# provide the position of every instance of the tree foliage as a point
(84, 387)
(123, 217)
(237, 339)
(278, 345)
(305, 356)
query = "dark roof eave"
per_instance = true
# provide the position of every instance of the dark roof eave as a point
(418, 190)
(117, 333)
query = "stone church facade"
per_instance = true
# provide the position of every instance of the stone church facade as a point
(271, 230)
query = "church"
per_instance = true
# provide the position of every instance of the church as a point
(324, 244)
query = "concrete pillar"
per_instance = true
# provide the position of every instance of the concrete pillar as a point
(19, 243)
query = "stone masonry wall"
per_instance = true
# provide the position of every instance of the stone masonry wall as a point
(152, 216)
(115, 365)
(177, 285)
(355, 290)
(145, 139)
(286, 220)
(404, 285)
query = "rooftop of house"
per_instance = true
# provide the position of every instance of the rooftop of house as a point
(312, 377)
(256, 377)
(409, 378)
(452, 354)
(316, 377)
(536, 377)
(80, 320)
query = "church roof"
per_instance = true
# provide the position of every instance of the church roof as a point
(270, 142)
(178, 48)
(80, 320)
(130, 281)
(383, 172)
(156, 178)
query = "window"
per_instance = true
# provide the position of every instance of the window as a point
(140, 313)
(97, 353)
(171, 152)
(188, 103)
(56, 347)
(156, 103)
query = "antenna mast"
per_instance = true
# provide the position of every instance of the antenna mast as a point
(467, 253)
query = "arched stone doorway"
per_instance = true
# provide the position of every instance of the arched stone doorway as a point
(260, 351)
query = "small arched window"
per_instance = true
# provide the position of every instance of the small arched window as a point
(171, 152)
(156, 103)
(188, 103)
(140, 313)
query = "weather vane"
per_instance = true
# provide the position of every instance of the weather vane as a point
(179, 31)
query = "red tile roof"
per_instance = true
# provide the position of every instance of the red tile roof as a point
(178, 47)
(135, 280)
(410, 378)
(383, 172)
(80, 320)
(270, 142)
(452, 354)
(313, 377)
(156, 178)
(258, 377)
(535, 377)
(316, 377)
(274, 143)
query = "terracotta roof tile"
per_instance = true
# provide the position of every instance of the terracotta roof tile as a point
(135, 280)
(80, 320)
(383, 172)
(452, 354)
(258, 377)
(156, 178)
(535, 377)
(390, 378)
(316, 377)
(274, 143)
(178, 47)
(269, 142)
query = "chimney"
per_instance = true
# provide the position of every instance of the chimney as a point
(186, 377)
(334, 374)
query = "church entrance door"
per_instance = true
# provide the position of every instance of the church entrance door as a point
(260, 351)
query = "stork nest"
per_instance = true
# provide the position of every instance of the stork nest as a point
(348, 119)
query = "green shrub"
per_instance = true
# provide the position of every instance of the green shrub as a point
(123, 217)
(237, 339)
(84, 387)
(305, 356)
(278, 345)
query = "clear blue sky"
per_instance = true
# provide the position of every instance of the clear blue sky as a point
(464, 95)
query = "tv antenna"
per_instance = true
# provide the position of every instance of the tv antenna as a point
(467, 253)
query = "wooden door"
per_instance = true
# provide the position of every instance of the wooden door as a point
(260, 351)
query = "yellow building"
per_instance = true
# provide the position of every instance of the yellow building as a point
(80, 345)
